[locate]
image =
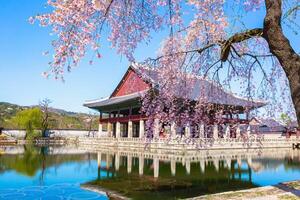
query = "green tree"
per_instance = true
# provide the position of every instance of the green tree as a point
(30, 119)
(44, 105)
(287, 120)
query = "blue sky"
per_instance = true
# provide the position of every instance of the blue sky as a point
(22, 62)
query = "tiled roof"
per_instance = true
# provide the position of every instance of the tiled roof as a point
(204, 89)
(211, 92)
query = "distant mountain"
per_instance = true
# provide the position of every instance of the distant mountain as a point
(59, 118)
(61, 111)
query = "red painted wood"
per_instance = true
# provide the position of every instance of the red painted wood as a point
(124, 119)
(130, 84)
(143, 117)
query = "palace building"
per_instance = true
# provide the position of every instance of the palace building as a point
(120, 112)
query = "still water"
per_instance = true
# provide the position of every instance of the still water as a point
(28, 172)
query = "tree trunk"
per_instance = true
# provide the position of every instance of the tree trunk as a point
(280, 47)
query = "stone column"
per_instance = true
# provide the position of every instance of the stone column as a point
(227, 131)
(173, 167)
(107, 161)
(188, 166)
(118, 129)
(117, 161)
(100, 129)
(249, 161)
(173, 129)
(216, 163)
(202, 165)
(156, 128)
(238, 131)
(141, 165)
(142, 129)
(228, 163)
(216, 132)
(187, 131)
(129, 129)
(156, 167)
(109, 129)
(239, 161)
(99, 159)
(129, 163)
(248, 131)
(202, 134)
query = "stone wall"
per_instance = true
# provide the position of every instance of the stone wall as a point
(20, 134)
(188, 144)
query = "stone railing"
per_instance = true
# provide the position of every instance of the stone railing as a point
(191, 143)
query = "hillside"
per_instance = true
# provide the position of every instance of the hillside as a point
(59, 119)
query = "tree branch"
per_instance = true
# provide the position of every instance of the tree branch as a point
(237, 38)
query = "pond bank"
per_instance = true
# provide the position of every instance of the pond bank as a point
(281, 191)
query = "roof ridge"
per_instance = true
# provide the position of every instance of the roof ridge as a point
(138, 66)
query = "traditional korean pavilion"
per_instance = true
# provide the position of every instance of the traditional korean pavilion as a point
(120, 112)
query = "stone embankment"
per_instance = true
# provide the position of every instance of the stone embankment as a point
(282, 191)
(55, 141)
(6, 140)
(189, 143)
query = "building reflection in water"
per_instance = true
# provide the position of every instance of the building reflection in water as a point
(235, 164)
(163, 174)
(167, 174)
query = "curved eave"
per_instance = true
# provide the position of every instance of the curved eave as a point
(114, 102)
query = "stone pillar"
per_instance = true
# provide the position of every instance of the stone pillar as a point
(107, 161)
(156, 167)
(238, 131)
(202, 134)
(187, 131)
(249, 161)
(156, 128)
(248, 131)
(129, 164)
(239, 161)
(117, 161)
(228, 163)
(129, 129)
(216, 164)
(227, 131)
(100, 129)
(183, 161)
(109, 129)
(173, 167)
(142, 129)
(173, 129)
(118, 130)
(202, 166)
(99, 159)
(215, 132)
(188, 166)
(141, 165)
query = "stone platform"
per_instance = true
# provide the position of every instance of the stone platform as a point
(282, 191)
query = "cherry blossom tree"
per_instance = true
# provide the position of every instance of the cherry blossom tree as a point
(207, 38)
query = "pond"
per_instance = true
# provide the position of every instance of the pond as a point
(53, 172)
